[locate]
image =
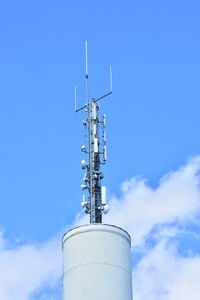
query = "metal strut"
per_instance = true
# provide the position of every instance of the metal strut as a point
(94, 168)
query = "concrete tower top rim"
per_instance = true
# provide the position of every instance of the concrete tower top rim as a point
(95, 228)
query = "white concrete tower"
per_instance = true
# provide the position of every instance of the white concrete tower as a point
(97, 257)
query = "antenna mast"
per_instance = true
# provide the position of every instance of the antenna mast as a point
(94, 201)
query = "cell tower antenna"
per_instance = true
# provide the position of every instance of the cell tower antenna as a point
(94, 198)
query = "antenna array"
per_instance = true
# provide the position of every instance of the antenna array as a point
(94, 200)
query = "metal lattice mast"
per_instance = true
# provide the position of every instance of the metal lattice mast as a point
(94, 202)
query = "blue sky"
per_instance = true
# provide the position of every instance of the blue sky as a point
(152, 117)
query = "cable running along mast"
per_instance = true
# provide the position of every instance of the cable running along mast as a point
(94, 198)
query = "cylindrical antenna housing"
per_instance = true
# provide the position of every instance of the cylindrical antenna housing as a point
(97, 263)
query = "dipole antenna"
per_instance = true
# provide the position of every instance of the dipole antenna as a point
(94, 197)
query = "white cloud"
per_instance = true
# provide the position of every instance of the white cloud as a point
(161, 215)
(27, 268)
(140, 208)
(164, 274)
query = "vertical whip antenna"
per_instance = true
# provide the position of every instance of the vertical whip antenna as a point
(94, 198)
(86, 71)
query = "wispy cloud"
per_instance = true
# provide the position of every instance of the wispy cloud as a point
(140, 207)
(157, 219)
(26, 268)
(164, 274)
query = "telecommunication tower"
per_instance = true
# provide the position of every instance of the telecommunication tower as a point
(96, 256)
(94, 202)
